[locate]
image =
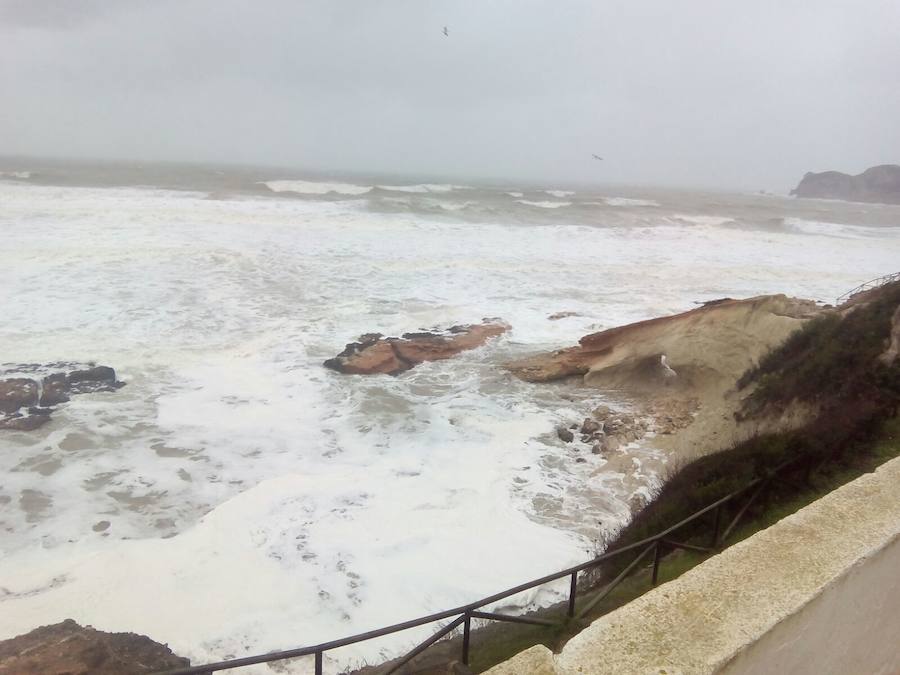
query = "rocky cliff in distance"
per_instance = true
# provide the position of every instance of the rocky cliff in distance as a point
(878, 184)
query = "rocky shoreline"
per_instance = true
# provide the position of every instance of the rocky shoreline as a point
(678, 372)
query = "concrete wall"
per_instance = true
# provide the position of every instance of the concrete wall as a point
(818, 592)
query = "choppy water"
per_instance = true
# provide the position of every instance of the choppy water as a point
(257, 501)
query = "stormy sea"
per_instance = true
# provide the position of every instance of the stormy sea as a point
(235, 496)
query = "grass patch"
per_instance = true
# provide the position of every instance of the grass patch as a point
(832, 358)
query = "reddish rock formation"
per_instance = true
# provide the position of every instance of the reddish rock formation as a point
(25, 402)
(373, 353)
(720, 339)
(69, 649)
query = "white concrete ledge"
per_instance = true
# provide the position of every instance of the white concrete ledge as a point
(818, 592)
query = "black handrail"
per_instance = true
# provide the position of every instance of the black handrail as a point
(874, 283)
(465, 613)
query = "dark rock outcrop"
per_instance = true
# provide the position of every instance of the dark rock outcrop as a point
(373, 353)
(16, 393)
(878, 184)
(26, 402)
(67, 648)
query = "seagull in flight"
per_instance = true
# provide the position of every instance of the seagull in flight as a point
(445, 31)
(597, 157)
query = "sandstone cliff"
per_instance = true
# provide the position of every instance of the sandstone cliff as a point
(878, 184)
(715, 342)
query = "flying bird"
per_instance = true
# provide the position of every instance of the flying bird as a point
(597, 157)
(445, 31)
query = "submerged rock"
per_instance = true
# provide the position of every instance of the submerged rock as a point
(590, 426)
(67, 648)
(565, 435)
(16, 393)
(26, 402)
(373, 353)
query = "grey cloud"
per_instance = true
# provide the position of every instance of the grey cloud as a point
(746, 95)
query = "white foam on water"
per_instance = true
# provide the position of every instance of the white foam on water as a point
(707, 221)
(18, 175)
(516, 194)
(306, 505)
(423, 187)
(560, 193)
(544, 205)
(305, 187)
(628, 201)
(840, 230)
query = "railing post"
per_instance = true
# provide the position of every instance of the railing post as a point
(716, 527)
(657, 554)
(467, 627)
(573, 584)
(318, 663)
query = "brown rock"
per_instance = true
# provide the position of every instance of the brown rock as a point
(54, 389)
(69, 649)
(565, 435)
(602, 412)
(17, 392)
(716, 342)
(590, 426)
(378, 357)
(93, 379)
(562, 315)
(19, 422)
(376, 354)
(18, 395)
(557, 365)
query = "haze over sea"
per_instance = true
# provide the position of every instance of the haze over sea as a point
(274, 503)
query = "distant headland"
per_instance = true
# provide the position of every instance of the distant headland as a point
(878, 184)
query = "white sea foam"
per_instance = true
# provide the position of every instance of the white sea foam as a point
(423, 187)
(308, 505)
(19, 175)
(706, 221)
(560, 193)
(840, 230)
(516, 194)
(544, 205)
(628, 201)
(305, 187)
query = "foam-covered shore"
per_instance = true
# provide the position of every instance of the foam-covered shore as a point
(251, 494)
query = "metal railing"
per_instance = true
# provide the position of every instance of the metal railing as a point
(656, 545)
(874, 283)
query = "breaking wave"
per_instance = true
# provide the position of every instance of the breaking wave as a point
(544, 205)
(305, 187)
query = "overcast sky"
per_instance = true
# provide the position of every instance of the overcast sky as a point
(696, 92)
